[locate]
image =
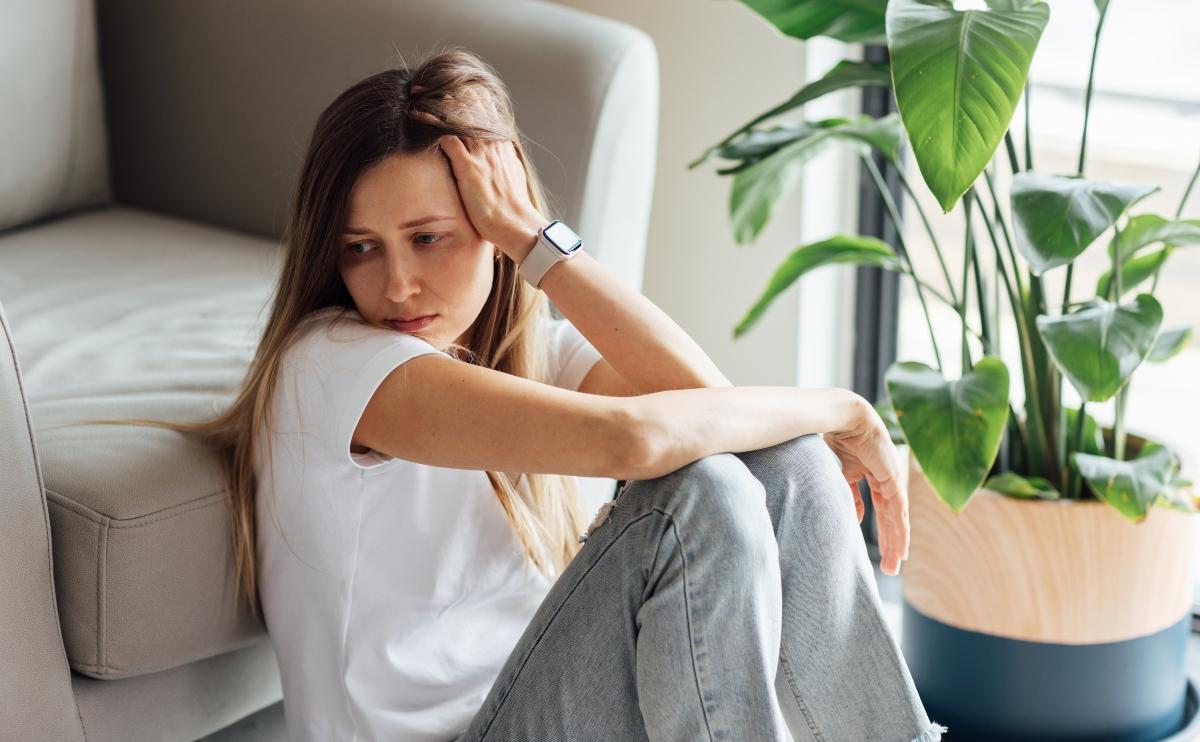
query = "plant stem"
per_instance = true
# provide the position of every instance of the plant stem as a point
(937, 249)
(1012, 152)
(1049, 381)
(1047, 423)
(1012, 255)
(894, 215)
(1087, 113)
(1028, 139)
(1014, 299)
(1178, 213)
(1035, 441)
(981, 292)
(944, 299)
(1114, 281)
(1066, 296)
(971, 261)
(1072, 489)
(1087, 98)
(968, 256)
(1119, 424)
(1114, 286)
(1187, 191)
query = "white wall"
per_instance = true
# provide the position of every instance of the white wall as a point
(720, 65)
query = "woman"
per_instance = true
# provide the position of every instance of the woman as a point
(403, 488)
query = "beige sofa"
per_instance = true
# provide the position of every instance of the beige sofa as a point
(147, 154)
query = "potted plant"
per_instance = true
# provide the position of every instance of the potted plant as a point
(1058, 604)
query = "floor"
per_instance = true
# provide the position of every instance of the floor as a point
(267, 725)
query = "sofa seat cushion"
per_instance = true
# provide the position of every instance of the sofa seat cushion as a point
(121, 312)
(183, 703)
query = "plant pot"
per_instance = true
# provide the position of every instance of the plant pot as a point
(1047, 620)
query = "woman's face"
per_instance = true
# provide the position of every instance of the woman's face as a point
(410, 250)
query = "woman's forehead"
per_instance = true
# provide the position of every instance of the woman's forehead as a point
(401, 188)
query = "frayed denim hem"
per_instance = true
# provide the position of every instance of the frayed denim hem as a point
(932, 734)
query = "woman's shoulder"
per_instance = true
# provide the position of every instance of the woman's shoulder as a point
(342, 325)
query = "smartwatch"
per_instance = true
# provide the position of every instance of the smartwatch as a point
(556, 242)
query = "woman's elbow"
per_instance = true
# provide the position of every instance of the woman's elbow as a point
(644, 443)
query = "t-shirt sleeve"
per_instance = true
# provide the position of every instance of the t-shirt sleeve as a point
(571, 355)
(337, 370)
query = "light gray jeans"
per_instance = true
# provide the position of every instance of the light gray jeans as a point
(731, 599)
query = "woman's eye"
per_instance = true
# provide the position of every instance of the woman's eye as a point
(354, 247)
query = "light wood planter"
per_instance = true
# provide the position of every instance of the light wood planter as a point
(1047, 595)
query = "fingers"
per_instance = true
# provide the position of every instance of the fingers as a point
(452, 145)
(892, 519)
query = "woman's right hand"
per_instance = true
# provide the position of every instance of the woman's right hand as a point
(866, 450)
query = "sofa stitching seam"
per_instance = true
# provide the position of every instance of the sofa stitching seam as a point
(102, 575)
(142, 520)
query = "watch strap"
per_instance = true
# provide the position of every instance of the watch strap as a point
(541, 258)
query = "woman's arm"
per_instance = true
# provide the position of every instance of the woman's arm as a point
(645, 346)
(481, 418)
(486, 419)
(680, 426)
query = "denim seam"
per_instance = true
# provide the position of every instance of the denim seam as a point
(795, 687)
(529, 653)
(883, 629)
(687, 612)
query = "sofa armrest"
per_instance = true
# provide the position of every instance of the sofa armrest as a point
(210, 105)
(36, 700)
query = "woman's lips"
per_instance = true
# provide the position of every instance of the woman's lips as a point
(415, 324)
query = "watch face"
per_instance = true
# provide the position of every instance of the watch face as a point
(563, 237)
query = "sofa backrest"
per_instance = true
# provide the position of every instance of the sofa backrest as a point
(53, 151)
(210, 105)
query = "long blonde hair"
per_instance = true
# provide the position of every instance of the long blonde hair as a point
(396, 111)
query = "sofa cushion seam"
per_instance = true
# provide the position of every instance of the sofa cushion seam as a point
(140, 520)
(101, 606)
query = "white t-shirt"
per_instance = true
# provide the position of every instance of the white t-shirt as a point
(401, 587)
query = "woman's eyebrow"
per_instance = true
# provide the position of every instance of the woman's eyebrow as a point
(407, 225)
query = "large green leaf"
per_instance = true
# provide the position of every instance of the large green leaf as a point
(1150, 228)
(958, 76)
(1134, 271)
(759, 187)
(759, 143)
(844, 74)
(1147, 229)
(837, 249)
(887, 413)
(844, 20)
(1015, 485)
(1180, 495)
(953, 427)
(1056, 217)
(1168, 343)
(1131, 487)
(1009, 4)
(1099, 345)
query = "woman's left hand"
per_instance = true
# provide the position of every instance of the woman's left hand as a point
(495, 193)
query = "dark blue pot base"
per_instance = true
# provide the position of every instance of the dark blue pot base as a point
(986, 688)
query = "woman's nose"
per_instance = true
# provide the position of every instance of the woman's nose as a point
(401, 282)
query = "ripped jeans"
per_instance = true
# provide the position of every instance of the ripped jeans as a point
(731, 599)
